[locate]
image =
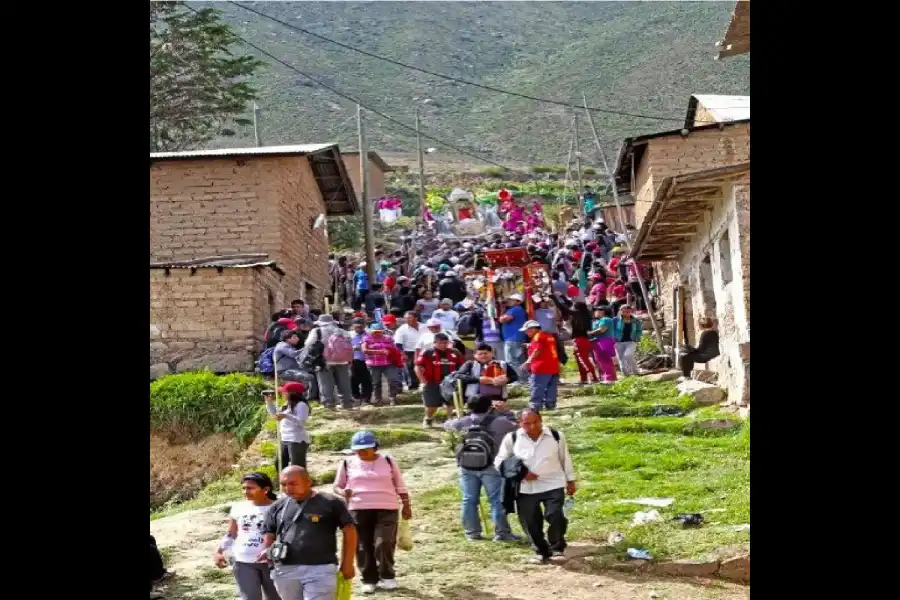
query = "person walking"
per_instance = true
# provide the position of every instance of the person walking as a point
(292, 419)
(446, 315)
(245, 537)
(304, 523)
(550, 478)
(406, 337)
(360, 379)
(603, 344)
(627, 331)
(543, 362)
(337, 350)
(378, 349)
(473, 478)
(706, 350)
(485, 375)
(373, 487)
(511, 323)
(580, 321)
(432, 367)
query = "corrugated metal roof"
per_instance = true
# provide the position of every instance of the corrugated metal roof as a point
(236, 261)
(298, 149)
(725, 108)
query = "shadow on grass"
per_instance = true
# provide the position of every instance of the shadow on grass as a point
(462, 592)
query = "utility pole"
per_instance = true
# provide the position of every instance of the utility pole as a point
(578, 166)
(368, 214)
(621, 213)
(421, 168)
(256, 124)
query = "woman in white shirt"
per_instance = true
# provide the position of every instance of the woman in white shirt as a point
(245, 539)
(292, 424)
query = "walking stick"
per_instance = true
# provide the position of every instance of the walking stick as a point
(277, 435)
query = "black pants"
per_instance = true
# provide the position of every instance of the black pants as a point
(377, 530)
(639, 302)
(693, 357)
(293, 454)
(411, 369)
(359, 299)
(360, 381)
(157, 570)
(532, 520)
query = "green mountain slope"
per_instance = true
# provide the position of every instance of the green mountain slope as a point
(636, 57)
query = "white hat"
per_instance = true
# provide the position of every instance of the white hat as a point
(516, 297)
(529, 324)
(433, 323)
(537, 298)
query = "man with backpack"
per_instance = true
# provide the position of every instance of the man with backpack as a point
(433, 365)
(483, 433)
(550, 478)
(337, 352)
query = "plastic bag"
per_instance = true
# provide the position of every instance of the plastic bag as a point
(404, 537)
(344, 587)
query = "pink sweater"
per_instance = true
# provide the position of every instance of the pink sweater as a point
(375, 484)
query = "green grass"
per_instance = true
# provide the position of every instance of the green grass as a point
(340, 440)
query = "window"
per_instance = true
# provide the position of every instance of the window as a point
(725, 258)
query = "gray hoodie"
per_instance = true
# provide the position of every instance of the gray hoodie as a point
(286, 357)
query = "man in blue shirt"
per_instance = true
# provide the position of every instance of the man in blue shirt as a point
(510, 323)
(361, 284)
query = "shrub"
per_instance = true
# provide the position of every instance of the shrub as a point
(340, 440)
(194, 405)
(493, 171)
(589, 171)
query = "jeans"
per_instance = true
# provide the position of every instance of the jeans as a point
(377, 543)
(305, 582)
(390, 372)
(471, 483)
(254, 581)
(532, 519)
(293, 454)
(543, 391)
(515, 354)
(625, 354)
(360, 381)
(328, 377)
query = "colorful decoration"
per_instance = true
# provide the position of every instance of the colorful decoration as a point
(435, 203)
(389, 203)
(486, 200)
(459, 194)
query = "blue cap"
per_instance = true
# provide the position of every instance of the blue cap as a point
(362, 440)
(376, 327)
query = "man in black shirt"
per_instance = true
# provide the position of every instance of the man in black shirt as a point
(306, 521)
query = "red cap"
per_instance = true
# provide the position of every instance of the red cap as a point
(288, 323)
(389, 320)
(292, 387)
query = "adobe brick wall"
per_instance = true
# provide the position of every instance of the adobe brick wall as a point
(676, 155)
(258, 205)
(376, 177)
(210, 319)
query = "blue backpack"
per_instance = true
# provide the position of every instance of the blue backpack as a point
(266, 364)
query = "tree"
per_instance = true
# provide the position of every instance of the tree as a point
(198, 87)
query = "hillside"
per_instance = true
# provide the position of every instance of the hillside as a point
(637, 57)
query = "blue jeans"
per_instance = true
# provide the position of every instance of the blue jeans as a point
(543, 391)
(515, 354)
(471, 483)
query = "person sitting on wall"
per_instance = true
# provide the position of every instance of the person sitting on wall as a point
(706, 350)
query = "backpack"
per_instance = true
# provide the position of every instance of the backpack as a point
(266, 364)
(464, 326)
(478, 447)
(448, 386)
(339, 349)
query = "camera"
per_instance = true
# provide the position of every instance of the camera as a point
(278, 552)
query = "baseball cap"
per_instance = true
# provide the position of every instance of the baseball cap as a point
(389, 320)
(362, 440)
(529, 325)
(433, 323)
(447, 301)
(292, 387)
(517, 297)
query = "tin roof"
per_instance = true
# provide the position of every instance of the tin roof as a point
(324, 159)
(722, 108)
(231, 261)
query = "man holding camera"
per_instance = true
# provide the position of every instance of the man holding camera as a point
(300, 539)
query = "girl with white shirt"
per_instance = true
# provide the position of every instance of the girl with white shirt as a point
(245, 539)
(292, 424)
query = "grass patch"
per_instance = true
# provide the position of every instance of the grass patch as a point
(215, 574)
(340, 440)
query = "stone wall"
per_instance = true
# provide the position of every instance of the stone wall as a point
(202, 208)
(210, 319)
(376, 177)
(675, 155)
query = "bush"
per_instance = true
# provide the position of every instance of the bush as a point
(194, 405)
(555, 169)
(493, 171)
(589, 171)
(340, 440)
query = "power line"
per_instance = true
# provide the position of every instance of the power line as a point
(372, 110)
(451, 78)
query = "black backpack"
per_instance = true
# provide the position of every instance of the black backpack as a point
(478, 447)
(464, 326)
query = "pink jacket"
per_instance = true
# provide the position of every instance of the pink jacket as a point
(376, 484)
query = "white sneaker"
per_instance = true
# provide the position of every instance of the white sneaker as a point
(388, 584)
(368, 588)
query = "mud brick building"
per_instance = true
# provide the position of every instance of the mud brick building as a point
(692, 206)
(232, 239)
(377, 170)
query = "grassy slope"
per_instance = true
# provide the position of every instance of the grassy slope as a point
(632, 56)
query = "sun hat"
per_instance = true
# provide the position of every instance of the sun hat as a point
(362, 440)
(529, 324)
(325, 320)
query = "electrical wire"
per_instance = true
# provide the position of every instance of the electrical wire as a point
(450, 77)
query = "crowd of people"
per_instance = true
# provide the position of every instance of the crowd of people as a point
(405, 331)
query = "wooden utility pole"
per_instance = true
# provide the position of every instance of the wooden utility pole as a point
(368, 213)
(578, 166)
(421, 169)
(256, 124)
(621, 213)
